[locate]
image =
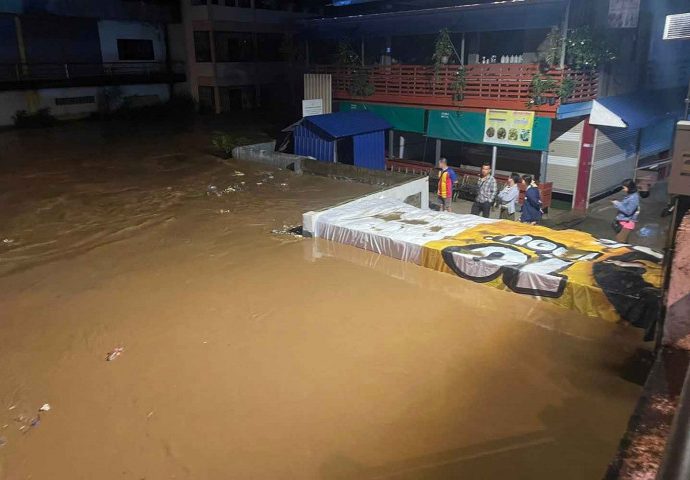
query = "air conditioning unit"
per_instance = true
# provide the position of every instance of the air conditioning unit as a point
(677, 27)
(679, 181)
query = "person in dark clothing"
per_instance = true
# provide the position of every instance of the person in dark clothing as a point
(531, 208)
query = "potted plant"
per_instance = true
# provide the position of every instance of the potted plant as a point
(566, 89)
(541, 87)
(442, 50)
(458, 84)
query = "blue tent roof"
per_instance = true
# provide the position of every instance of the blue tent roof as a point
(346, 124)
(639, 109)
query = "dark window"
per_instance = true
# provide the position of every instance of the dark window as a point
(198, 2)
(268, 4)
(268, 47)
(202, 46)
(234, 47)
(130, 49)
(75, 100)
(239, 3)
(207, 99)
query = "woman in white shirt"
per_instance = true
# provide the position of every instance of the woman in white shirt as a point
(508, 197)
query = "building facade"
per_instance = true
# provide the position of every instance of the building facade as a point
(609, 124)
(242, 53)
(75, 58)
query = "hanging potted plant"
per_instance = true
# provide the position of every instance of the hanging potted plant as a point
(458, 84)
(442, 50)
(587, 50)
(550, 49)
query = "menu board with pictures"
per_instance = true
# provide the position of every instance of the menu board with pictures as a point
(509, 127)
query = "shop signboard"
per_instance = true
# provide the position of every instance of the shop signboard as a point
(509, 127)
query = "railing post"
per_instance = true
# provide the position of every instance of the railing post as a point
(17, 71)
(66, 72)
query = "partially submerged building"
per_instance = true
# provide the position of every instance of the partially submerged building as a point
(587, 128)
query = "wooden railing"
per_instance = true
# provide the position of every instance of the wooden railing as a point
(486, 86)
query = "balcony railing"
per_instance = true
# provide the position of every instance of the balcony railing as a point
(19, 73)
(486, 86)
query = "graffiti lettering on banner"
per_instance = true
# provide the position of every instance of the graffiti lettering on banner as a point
(573, 269)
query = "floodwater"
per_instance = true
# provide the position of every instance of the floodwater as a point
(250, 355)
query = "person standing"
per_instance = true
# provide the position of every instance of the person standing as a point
(446, 179)
(531, 207)
(628, 211)
(486, 193)
(508, 196)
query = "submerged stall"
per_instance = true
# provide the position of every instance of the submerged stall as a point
(354, 138)
(573, 269)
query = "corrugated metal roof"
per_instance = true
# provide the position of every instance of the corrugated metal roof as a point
(346, 124)
(477, 17)
(639, 109)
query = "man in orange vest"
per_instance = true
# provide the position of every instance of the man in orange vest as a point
(446, 180)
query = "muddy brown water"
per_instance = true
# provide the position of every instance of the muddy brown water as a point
(249, 355)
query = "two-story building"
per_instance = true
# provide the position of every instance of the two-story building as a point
(242, 53)
(589, 128)
(73, 56)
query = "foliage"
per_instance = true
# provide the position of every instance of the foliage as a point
(566, 89)
(588, 50)
(442, 50)
(360, 85)
(458, 84)
(346, 55)
(225, 142)
(38, 119)
(540, 85)
(550, 52)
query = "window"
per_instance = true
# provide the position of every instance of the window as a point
(238, 3)
(75, 100)
(234, 46)
(132, 49)
(268, 47)
(198, 2)
(202, 46)
(207, 99)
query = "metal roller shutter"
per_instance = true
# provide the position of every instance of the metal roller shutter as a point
(564, 154)
(614, 158)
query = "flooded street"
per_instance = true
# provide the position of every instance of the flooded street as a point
(251, 355)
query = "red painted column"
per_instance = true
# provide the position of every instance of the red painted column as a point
(584, 171)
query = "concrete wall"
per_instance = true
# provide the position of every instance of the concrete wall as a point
(48, 39)
(176, 42)
(110, 31)
(677, 323)
(32, 100)
(9, 50)
(10, 102)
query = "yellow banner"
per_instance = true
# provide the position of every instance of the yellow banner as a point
(509, 127)
(599, 278)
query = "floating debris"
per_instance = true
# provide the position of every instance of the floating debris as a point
(3, 441)
(238, 173)
(283, 184)
(222, 211)
(8, 241)
(259, 183)
(44, 408)
(12, 407)
(114, 354)
(213, 190)
(292, 230)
